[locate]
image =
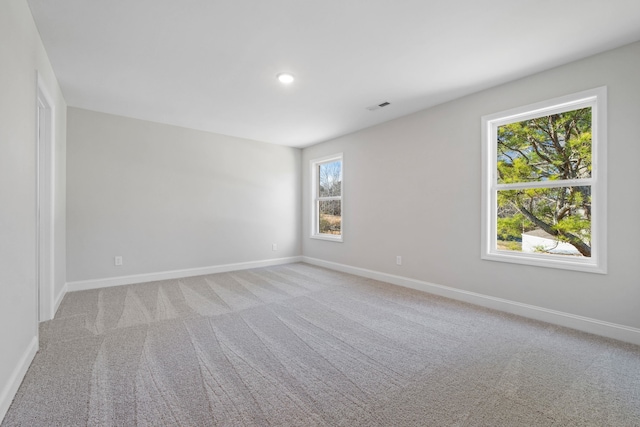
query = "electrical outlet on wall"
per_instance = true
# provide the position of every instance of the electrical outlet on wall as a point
(274, 246)
(117, 260)
(399, 260)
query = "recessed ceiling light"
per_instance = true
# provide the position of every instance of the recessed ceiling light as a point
(285, 78)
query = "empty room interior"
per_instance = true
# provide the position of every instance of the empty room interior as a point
(292, 213)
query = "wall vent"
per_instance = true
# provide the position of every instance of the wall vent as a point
(375, 107)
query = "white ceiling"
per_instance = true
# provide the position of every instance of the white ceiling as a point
(212, 64)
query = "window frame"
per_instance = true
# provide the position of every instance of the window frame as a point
(315, 198)
(597, 263)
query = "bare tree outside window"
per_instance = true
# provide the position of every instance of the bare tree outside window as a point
(327, 198)
(330, 197)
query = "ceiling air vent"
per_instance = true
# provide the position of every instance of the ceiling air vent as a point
(375, 107)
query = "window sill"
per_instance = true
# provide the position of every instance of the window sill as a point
(328, 237)
(548, 261)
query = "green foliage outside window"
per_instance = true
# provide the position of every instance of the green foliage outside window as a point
(546, 149)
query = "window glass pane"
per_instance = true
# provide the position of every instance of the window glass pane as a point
(330, 217)
(545, 220)
(551, 147)
(330, 179)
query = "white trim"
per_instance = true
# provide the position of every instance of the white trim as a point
(597, 263)
(10, 389)
(59, 299)
(45, 177)
(313, 164)
(82, 285)
(545, 184)
(329, 237)
(581, 323)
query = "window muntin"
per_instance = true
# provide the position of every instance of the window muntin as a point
(327, 198)
(544, 197)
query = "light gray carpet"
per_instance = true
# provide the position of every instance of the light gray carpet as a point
(298, 345)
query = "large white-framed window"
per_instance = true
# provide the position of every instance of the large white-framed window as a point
(327, 195)
(544, 198)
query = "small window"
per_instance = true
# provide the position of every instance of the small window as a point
(327, 198)
(544, 191)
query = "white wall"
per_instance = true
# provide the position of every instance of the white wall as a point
(21, 56)
(168, 198)
(412, 188)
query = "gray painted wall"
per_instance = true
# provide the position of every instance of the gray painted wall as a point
(412, 188)
(22, 55)
(169, 198)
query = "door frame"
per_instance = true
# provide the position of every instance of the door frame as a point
(45, 138)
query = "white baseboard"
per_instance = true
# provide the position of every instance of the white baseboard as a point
(9, 390)
(82, 285)
(581, 323)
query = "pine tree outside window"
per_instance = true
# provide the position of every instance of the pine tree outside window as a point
(544, 190)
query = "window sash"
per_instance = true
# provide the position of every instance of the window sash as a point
(547, 184)
(317, 199)
(596, 100)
